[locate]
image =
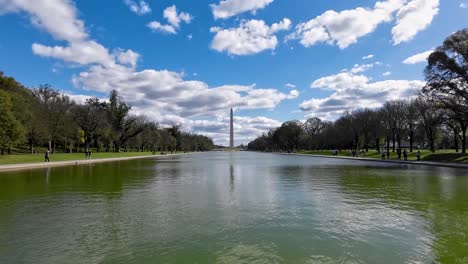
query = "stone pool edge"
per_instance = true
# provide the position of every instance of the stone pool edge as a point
(425, 163)
(37, 165)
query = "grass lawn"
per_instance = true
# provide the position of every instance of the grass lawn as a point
(426, 155)
(31, 158)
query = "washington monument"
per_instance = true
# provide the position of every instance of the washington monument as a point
(231, 130)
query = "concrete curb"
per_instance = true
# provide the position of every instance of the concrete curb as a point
(424, 163)
(25, 166)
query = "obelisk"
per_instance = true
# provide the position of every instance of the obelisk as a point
(231, 136)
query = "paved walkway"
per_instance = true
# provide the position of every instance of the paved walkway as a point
(23, 166)
(425, 163)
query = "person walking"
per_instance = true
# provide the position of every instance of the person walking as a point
(418, 155)
(46, 156)
(383, 155)
(399, 153)
(405, 154)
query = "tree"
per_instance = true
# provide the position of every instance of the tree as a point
(394, 113)
(90, 117)
(364, 119)
(124, 126)
(447, 73)
(410, 121)
(313, 127)
(430, 118)
(11, 130)
(289, 134)
(174, 131)
(458, 124)
(54, 109)
(447, 80)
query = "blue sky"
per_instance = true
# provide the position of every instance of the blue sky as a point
(190, 61)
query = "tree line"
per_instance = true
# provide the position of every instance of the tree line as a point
(45, 118)
(436, 118)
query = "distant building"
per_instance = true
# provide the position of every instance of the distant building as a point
(231, 136)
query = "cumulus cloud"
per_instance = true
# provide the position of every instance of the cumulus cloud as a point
(228, 8)
(64, 25)
(418, 58)
(81, 52)
(344, 28)
(140, 8)
(173, 19)
(351, 91)
(156, 26)
(388, 73)
(166, 92)
(370, 56)
(251, 37)
(414, 17)
(128, 57)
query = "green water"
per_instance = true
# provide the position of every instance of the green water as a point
(235, 207)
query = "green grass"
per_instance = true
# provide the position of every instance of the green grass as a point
(31, 158)
(426, 155)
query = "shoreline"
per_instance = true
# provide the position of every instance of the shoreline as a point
(38, 165)
(407, 162)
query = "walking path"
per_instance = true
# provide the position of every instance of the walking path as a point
(425, 163)
(23, 166)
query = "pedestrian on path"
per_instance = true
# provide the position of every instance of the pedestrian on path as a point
(46, 156)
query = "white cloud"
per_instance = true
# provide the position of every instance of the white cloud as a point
(290, 85)
(418, 58)
(128, 57)
(140, 8)
(414, 17)
(370, 56)
(81, 52)
(463, 5)
(386, 73)
(357, 68)
(167, 91)
(340, 81)
(346, 27)
(173, 19)
(156, 26)
(251, 37)
(62, 25)
(229, 8)
(351, 91)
